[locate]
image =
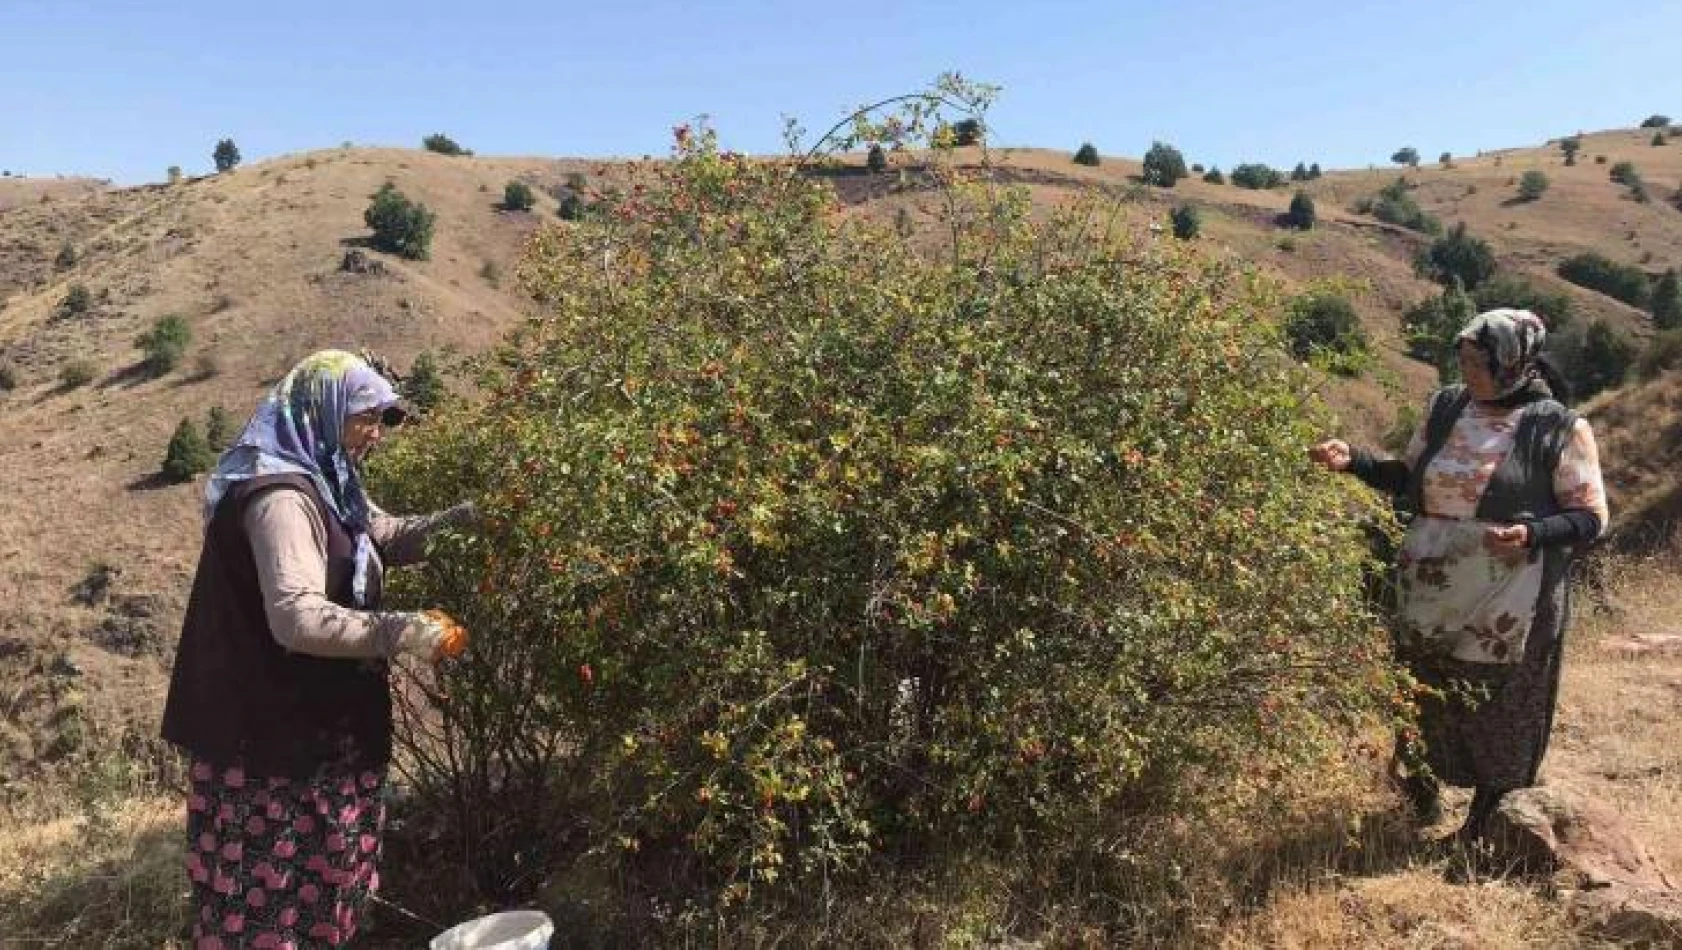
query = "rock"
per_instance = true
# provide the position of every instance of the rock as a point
(1581, 843)
(1632, 917)
(356, 262)
(1636, 645)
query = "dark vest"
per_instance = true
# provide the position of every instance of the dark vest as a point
(236, 696)
(1522, 486)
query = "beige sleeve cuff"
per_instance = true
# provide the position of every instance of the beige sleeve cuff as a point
(403, 540)
(289, 544)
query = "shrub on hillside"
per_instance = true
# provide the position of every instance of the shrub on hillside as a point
(164, 345)
(1323, 326)
(571, 207)
(1658, 138)
(764, 617)
(188, 454)
(8, 376)
(1666, 303)
(1623, 173)
(1164, 165)
(1299, 173)
(1214, 177)
(219, 431)
(1663, 354)
(443, 145)
(1431, 325)
(1314, 171)
(1655, 122)
(1532, 185)
(77, 300)
(1571, 146)
(1596, 272)
(1446, 160)
(518, 196)
(400, 226)
(1186, 223)
(1301, 213)
(66, 258)
(1256, 176)
(1408, 156)
(1518, 293)
(1087, 154)
(876, 160)
(225, 155)
(76, 373)
(1595, 358)
(1457, 255)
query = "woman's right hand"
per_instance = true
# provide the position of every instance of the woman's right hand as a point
(1334, 455)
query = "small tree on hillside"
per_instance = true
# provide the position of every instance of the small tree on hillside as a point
(518, 196)
(174, 174)
(1655, 122)
(443, 145)
(1257, 176)
(164, 345)
(1571, 146)
(1087, 154)
(1299, 173)
(424, 386)
(1186, 222)
(1164, 165)
(967, 132)
(1430, 327)
(1214, 177)
(1408, 156)
(571, 207)
(1532, 185)
(1457, 254)
(1446, 160)
(1314, 172)
(1667, 301)
(226, 155)
(876, 160)
(1301, 215)
(400, 226)
(219, 430)
(188, 453)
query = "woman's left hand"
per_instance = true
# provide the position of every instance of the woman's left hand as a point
(1507, 539)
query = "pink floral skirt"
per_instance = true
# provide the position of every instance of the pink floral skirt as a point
(281, 863)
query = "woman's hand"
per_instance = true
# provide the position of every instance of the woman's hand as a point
(1333, 455)
(1506, 540)
(433, 635)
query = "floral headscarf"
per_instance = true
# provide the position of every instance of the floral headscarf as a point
(1511, 339)
(297, 430)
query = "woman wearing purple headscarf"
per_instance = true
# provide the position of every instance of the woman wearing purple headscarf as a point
(1504, 485)
(279, 691)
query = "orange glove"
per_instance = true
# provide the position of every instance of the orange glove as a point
(452, 640)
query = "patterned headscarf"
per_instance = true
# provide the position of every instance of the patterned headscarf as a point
(296, 431)
(1511, 339)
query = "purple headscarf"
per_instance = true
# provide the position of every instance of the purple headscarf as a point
(297, 431)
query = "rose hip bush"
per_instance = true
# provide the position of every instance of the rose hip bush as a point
(809, 543)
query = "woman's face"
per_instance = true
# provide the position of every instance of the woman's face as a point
(361, 433)
(1474, 369)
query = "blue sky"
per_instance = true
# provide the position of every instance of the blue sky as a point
(125, 88)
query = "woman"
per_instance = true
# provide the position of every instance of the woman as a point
(1505, 483)
(279, 691)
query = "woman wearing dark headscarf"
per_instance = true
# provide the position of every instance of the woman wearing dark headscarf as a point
(279, 691)
(1504, 483)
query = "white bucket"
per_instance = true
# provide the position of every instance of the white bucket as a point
(510, 930)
